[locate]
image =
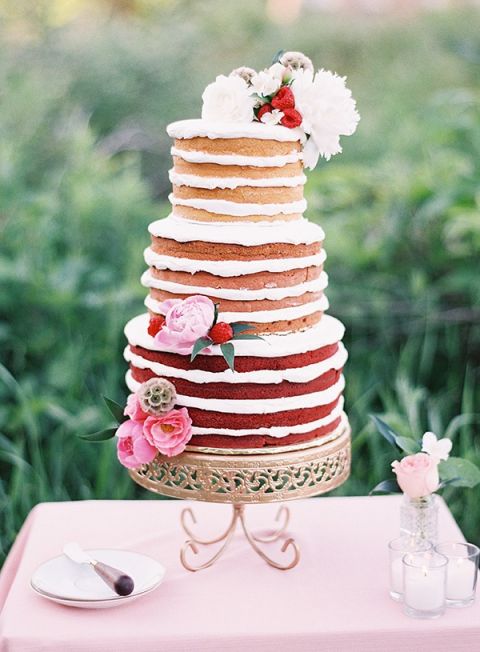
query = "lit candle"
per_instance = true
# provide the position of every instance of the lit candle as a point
(424, 590)
(461, 572)
(398, 548)
(424, 584)
(460, 579)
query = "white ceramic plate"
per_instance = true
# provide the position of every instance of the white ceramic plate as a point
(77, 585)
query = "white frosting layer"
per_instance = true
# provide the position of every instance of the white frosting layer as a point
(212, 129)
(282, 431)
(255, 406)
(231, 268)
(260, 316)
(261, 376)
(193, 156)
(293, 232)
(328, 331)
(239, 209)
(241, 294)
(196, 181)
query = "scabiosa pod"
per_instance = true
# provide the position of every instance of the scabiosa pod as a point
(156, 396)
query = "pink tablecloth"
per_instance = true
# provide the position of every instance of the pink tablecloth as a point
(335, 600)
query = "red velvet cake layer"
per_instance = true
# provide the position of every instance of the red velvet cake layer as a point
(211, 419)
(243, 390)
(216, 363)
(259, 441)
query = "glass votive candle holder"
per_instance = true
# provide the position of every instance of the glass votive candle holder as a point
(462, 571)
(397, 549)
(424, 584)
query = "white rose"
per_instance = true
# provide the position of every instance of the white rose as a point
(328, 111)
(264, 83)
(228, 99)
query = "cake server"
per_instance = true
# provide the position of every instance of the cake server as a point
(117, 580)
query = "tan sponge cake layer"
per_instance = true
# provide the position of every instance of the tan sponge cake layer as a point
(200, 215)
(279, 327)
(198, 250)
(256, 281)
(240, 146)
(236, 171)
(231, 305)
(242, 194)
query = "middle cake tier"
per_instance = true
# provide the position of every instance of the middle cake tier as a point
(269, 275)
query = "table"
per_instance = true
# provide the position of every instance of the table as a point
(335, 600)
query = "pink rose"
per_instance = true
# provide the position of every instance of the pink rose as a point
(169, 432)
(185, 321)
(132, 448)
(133, 409)
(417, 475)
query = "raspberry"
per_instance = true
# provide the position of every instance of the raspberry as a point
(266, 108)
(155, 324)
(291, 118)
(284, 99)
(221, 332)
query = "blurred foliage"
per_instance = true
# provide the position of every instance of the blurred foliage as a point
(83, 161)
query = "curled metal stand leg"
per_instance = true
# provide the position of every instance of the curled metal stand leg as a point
(193, 543)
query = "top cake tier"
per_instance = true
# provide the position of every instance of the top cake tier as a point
(231, 172)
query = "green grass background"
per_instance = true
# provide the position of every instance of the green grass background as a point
(83, 170)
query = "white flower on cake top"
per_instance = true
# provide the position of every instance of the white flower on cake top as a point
(292, 95)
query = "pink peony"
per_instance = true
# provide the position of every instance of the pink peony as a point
(417, 475)
(133, 409)
(169, 432)
(185, 321)
(132, 448)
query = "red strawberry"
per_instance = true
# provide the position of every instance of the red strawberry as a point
(221, 332)
(291, 118)
(155, 324)
(284, 99)
(266, 108)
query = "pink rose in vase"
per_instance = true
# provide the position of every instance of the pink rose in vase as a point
(133, 409)
(133, 449)
(185, 321)
(417, 475)
(169, 432)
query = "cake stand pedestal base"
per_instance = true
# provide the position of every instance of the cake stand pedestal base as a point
(289, 547)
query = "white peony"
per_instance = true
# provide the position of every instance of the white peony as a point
(265, 83)
(328, 111)
(439, 449)
(228, 99)
(272, 117)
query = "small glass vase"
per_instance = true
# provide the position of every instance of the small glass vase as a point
(419, 518)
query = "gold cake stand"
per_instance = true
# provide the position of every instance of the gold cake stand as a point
(254, 476)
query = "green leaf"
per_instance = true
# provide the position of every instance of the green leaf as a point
(239, 328)
(199, 345)
(101, 435)
(277, 57)
(215, 315)
(228, 353)
(459, 472)
(247, 336)
(386, 487)
(115, 409)
(408, 445)
(385, 430)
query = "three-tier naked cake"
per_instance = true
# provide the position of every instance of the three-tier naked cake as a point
(236, 329)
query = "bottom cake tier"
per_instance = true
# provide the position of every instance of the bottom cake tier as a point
(287, 390)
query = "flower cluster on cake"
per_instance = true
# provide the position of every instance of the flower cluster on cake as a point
(235, 327)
